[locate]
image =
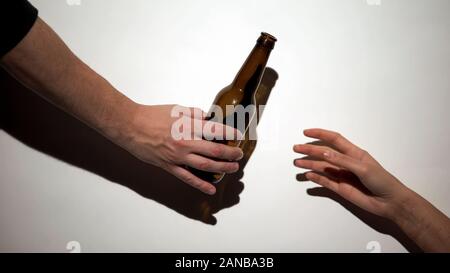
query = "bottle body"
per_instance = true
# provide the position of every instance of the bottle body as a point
(237, 102)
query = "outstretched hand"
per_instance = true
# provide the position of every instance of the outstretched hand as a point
(349, 171)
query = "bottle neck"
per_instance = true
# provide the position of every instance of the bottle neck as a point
(252, 70)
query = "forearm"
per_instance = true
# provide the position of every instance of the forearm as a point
(428, 227)
(45, 64)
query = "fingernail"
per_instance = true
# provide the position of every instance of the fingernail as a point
(241, 155)
(234, 169)
(211, 191)
(297, 147)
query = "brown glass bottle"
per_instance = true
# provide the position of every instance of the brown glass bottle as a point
(240, 92)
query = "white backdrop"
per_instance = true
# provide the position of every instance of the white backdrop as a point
(377, 73)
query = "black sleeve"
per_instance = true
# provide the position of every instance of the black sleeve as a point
(16, 19)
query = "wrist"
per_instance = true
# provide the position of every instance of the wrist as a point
(406, 209)
(118, 124)
(425, 225)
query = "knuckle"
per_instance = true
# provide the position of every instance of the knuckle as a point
(190, 180)
(229, 167)
(365, 170)
(350, 191)
(338, 156)
(365, 154)
(205, 164)
(336, 137)
(180, 144)
(321, 179)
(169, 140)
(312, 164)
(187, 179)
(171, 155)
(174, 152)
(217, 151)
(307, 149)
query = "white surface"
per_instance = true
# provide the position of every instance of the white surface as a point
(377, 74)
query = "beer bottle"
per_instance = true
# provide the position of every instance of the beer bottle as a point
(241, 92)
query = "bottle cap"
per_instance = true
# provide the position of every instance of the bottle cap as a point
(266, 40)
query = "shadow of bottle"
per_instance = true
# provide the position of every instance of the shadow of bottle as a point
(44, 127)
(248, 145)
(262, 95)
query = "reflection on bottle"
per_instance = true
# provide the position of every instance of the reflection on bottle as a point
(220, 199)
(261, 98)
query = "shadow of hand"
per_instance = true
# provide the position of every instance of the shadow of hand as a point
(376, 222)
(40, 125)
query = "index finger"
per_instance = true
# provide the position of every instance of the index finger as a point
(215, 150)
(336, 140)
(215, 130)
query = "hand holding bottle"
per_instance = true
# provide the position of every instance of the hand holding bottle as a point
(149, 138)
